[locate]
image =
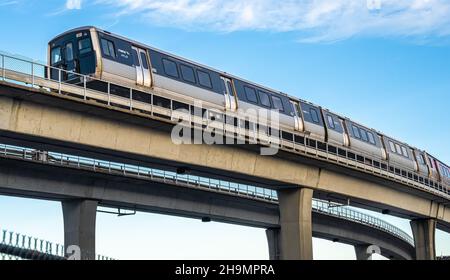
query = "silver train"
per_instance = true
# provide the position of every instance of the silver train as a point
(109, 57)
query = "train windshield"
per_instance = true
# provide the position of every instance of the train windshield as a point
(56, 55)
(73, 53)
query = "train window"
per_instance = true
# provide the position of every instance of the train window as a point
(250, 93)
(277, 103)
(56, 55)
(204, 79)
(136, 59)
(314, 115)
(371, 138)
(331, 122)
(84, 45)
(398, 149)
(356, 132)
(230, 88)
(144, 60)
(108, 48)
(170, 68)
(404, 151)
(421, 159)
(264, 97)
(297, 109)
(392, 146)
(187, 73)
(364, 135)
(69, 52)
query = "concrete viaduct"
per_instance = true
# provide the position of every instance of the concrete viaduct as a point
(82, 190)
(36, 118)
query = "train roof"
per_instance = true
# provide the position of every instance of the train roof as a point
(226, 74)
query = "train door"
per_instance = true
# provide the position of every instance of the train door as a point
(298, 123)
(229, 94)
(56, 61)
(70, 59)
(345, 134)
(141, 63)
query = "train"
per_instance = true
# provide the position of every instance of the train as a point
(109, 57)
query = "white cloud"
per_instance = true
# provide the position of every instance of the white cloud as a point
(73, 4)
(316, 20)
(8, 3)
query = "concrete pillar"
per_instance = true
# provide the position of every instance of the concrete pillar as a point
(361, 252)
(364, 252)
(273, 240)
(296, 224)
(424, 238)
(79, 228)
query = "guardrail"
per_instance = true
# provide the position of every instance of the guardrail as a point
(150, 104)
(343, 212)
(18, 246)
(167, 177)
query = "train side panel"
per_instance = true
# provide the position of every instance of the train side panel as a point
(313, 121)
(364, 140)
(400, 154)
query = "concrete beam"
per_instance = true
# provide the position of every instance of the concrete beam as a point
(79, 228)
(424, 231)
(296, 223)
(356, 234)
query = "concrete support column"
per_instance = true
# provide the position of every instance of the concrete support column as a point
(79, 228)
(424, 238)
(273, 240)
(296, 224)
(361, 252)
(364, 252)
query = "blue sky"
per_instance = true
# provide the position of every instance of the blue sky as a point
(383, 63)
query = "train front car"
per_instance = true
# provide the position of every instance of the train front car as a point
(72, 52)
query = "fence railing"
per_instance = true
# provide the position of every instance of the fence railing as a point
(347, 213)
(168, 177)
(37, 75)
(27, 247)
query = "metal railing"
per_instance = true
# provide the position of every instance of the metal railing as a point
(6, 257)
(344, 212)
(173, 178)
(20, 71)
(19, 246)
